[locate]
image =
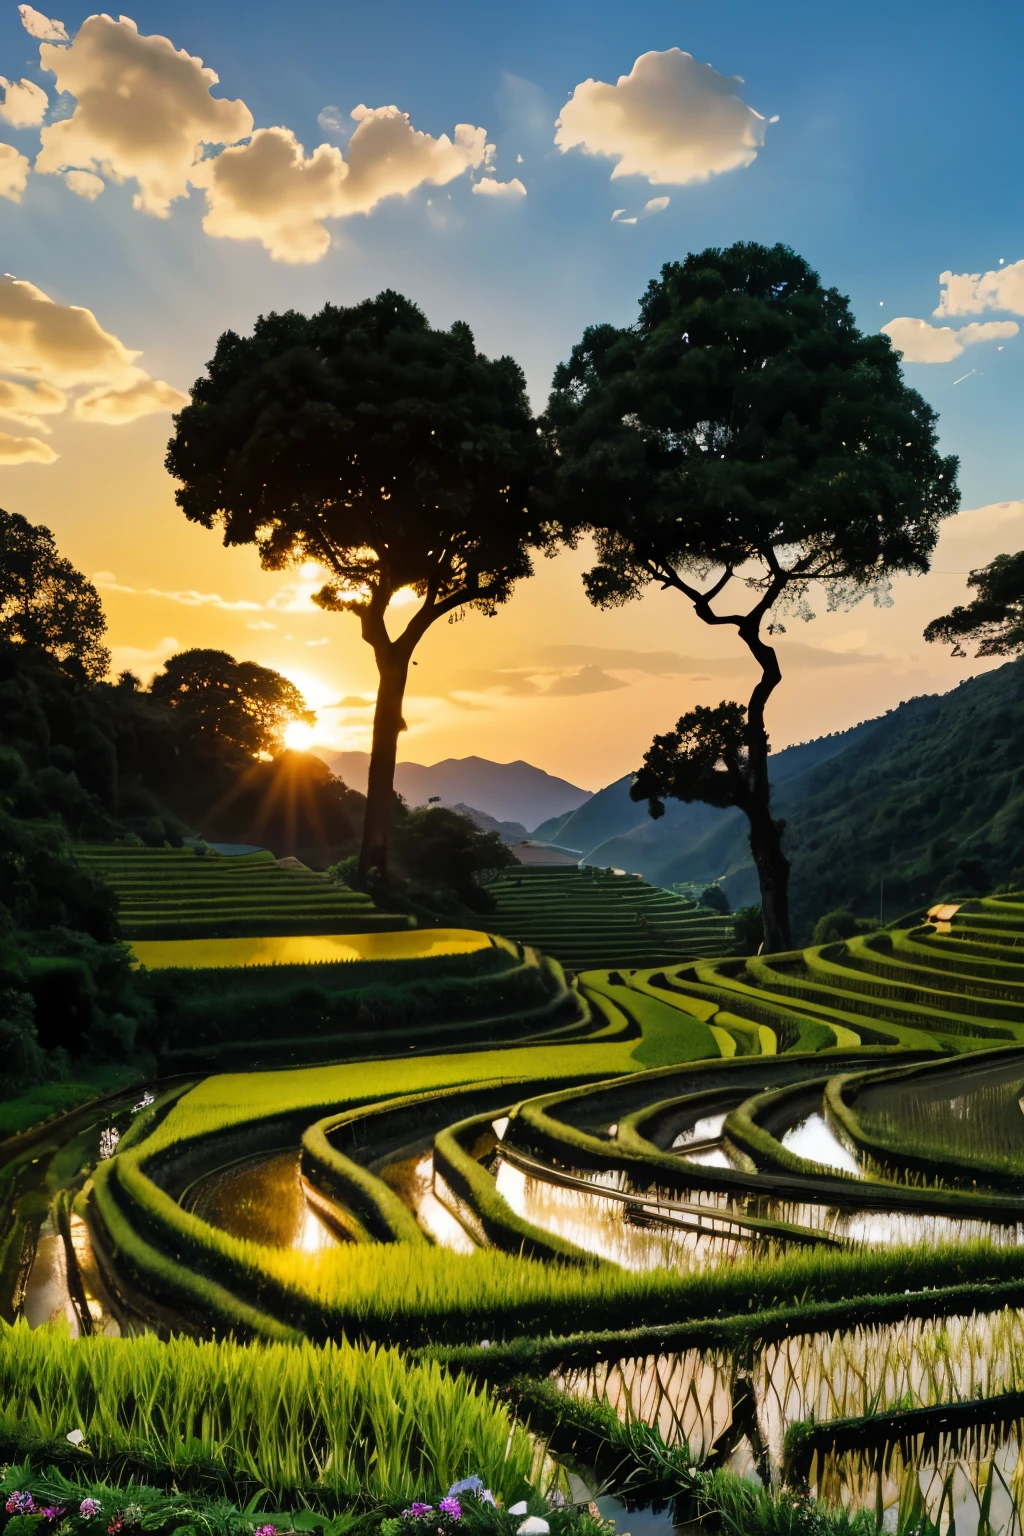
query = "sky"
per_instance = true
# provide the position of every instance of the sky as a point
(527, 168)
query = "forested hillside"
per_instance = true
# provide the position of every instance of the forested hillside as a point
(929, 797)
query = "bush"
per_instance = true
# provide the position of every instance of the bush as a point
(714, 898)
(840, 924)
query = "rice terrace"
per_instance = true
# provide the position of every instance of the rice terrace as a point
(511, 772)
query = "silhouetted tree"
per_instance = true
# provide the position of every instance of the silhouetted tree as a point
(234, 701)
(396, 456)
(45, 602)
(994, 619)
(742, 442)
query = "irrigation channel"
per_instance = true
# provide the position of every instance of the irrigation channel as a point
(48, 1269)
(732, 1171)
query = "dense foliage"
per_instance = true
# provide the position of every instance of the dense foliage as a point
(224, 700)
(741, 444)
(393, 455)
(45, 602)
(994, 618)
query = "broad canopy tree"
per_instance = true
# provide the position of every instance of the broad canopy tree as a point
(395, 456)
(46, 603)
(994, 619)
(227, 700)
(742, 443)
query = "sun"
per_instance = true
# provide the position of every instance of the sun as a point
(298, 737)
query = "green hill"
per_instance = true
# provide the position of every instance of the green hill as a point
(929, 797)
(587, 918)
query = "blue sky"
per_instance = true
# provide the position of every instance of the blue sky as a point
(895, 157)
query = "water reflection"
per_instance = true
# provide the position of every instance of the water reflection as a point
(264, 1202)
(413, 1179)
(637, 1239)
(814, 1139)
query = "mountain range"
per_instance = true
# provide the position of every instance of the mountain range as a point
(508, 792)
(925, 800)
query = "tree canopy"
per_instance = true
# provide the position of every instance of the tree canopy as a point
(741, 443)
(994, 619)
(45, 602)
(238, 702)
(395, 456)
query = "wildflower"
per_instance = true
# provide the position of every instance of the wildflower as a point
(534, 1526)
(90, 1507)
(451, 1507)
(132, 1514)
(265, 1530)
(518, 1509)
(20, 1503)
(557, 1499)
(53, 1513)
(114, 1526)
(487, 1497)
(75, 1436)
(416, 1511)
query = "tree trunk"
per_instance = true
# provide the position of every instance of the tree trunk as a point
(773, 876)
(765, 832)
(393, 671)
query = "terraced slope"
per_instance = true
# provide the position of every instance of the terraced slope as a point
(588, 918)
(175, 893)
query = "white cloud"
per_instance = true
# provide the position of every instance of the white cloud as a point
(24, 104)
(62, 343)
(24, 450)
(14, 169)
(84, 184)
(670, 120)
(56, 347)
(655, 205)
(38, 25)
(270, 190)
(332, 120)
(921, 342)
(117, 406)
(27, 403)
(489, 186)
(108, 582)
(144, 111)
(969, 293)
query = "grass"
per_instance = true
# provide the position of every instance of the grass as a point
(287, 1418)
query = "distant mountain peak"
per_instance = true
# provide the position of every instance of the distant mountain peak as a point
(508, 792)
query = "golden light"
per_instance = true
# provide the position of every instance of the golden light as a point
(298, 737)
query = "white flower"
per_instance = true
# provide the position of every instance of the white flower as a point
(534, 1526)
(518, 1509)
(76, 1436)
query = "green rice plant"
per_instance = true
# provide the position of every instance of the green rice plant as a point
(359, 1422)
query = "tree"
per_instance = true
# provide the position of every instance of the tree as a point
(742, 442)
(45, 602)
(994, 619)
(234, 701)
(395, 456)
(715, 899)
(440, 846)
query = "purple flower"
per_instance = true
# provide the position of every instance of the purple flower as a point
(451, 1507)
(417, 1511)
(53, 1512)
(20, 1503)
(265, 1530)
(90, 1507)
